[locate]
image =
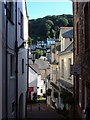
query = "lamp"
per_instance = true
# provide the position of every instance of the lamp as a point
(32, 49)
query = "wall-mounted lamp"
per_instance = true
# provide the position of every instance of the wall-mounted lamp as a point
(32, 49)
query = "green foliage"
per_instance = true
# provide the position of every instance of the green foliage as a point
(48, 26)
(39, 52)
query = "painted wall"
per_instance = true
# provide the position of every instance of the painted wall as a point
(11, 78)
(67, 76)
(32, 81)
(22, 54)
(65, 42)
(40, 85)
(0, 61)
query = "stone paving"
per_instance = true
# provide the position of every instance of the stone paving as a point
(41, 111)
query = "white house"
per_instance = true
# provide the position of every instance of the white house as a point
(2, 63)
(13, 32)
(66, 59)
(10, 60)
(22, 37)
(44, 69)
(32, 82)
(36, 83)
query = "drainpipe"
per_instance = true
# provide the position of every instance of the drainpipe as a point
(16, 50)
(27, 78)
(6, 65)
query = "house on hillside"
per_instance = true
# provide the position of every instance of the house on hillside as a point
(53, 89)
(62, 58)
(66, 60)
(34, 76)
(44, 69)
(35, 83)
(22, 43)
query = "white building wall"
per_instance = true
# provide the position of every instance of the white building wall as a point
(32, 81)
(11, 86)
(40, 86)
(66, 67)
(0, 61)
(65, 42)
(22, 54)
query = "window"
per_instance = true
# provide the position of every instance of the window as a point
(86, 26)
(22, 66)
(10, 11)
(62, 68)
(41, 90)
(69, 63)
(21, 25)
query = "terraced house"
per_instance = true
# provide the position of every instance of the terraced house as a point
(14, 33)
(66, 60)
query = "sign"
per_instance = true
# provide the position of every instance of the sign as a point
(30, 89)
(75, 70)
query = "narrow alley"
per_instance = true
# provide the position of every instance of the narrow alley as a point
(42, 111)
(44, 60)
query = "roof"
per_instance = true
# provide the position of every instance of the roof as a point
(66, 32)
(66, 85)
(35, 68)
(54, 85)
(58, 48)
(42, 64)
(67, 50)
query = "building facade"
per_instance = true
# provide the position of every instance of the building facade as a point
(13, 59)
(22, 41)
(2, 63)
(82, 55)
(66, 60)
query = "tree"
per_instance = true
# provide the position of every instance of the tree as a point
(48, 26)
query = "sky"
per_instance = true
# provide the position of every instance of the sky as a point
(42, 9)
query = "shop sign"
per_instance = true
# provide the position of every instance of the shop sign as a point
(75, 70)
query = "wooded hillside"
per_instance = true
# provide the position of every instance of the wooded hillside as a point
(48, 26)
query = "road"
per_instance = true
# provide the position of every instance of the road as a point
(42, 112)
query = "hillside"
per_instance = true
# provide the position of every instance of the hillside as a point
(48, 26)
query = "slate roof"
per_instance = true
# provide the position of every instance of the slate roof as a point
(42, 64)
(35, 68)
(58, 48)
(67, 50)
(67, 85)
(66, 32)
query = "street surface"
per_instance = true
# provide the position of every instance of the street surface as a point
(42, 112)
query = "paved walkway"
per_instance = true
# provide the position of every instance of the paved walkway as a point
(36, 111)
